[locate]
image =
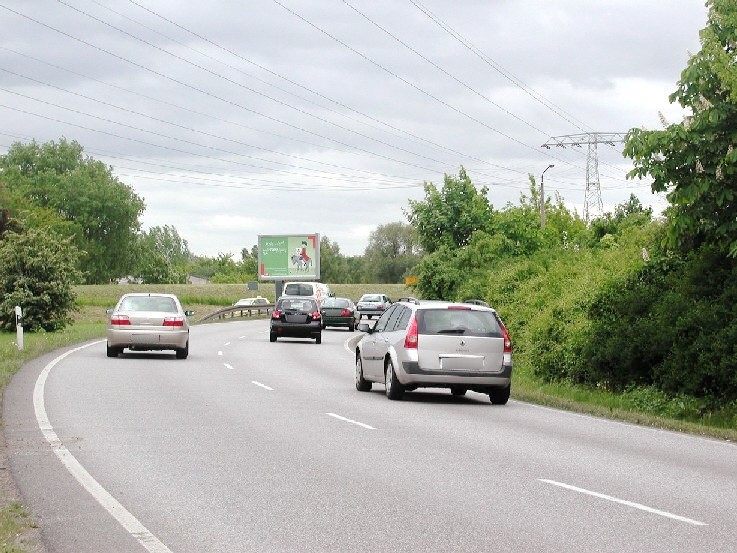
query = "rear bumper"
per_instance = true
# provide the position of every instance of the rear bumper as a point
(410, 373)
(308, 330)
(338, 321)
(147, 339)
(372, 312)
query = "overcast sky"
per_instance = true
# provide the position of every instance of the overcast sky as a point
(235, 118)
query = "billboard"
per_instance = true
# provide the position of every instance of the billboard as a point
(289, 256)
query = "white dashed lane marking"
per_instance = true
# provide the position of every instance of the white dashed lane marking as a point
(362, 425)
(624, 502)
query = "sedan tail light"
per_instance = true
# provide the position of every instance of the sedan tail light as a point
(173, 321)
(316, 316)
(275, 314)
(345, 313)
(411, 339)
(120, 320)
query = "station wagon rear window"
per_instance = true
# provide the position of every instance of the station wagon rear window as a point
(464, 322)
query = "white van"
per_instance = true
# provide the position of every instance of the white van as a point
(316, 290)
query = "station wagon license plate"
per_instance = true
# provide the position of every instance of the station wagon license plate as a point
(461, 363)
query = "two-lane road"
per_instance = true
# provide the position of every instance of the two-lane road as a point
(254, 446)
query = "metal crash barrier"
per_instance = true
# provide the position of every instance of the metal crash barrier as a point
(233, 311)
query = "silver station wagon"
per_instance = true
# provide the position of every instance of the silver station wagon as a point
(417, 344)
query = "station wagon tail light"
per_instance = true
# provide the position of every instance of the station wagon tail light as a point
(120, 320)
(410, 340)
(173, 321)
(316, 316)
(507, 340)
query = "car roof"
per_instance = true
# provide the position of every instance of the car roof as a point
(147, 294)
(435, 304)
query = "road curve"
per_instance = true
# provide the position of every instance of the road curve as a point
(253, 446)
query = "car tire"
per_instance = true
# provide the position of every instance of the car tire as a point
(458, 391)
(500, 396)
(323, 325)
(394, 388)
(272, 336)
(182, 353)
(318, 339)
(362, 385)
(113, 352)
(351, 327)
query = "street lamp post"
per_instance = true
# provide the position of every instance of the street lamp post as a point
(542, 196)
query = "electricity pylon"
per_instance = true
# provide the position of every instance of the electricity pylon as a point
(592, 140)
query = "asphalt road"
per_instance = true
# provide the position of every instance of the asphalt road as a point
(253, 446)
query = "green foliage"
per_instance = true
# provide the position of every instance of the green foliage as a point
(333, 265)
(676, 329)
(162, 256)
(98, 210)
(695, 161)
(448, 217)
(37, 271)
(393, 249)
(439, 275)
(609, 225)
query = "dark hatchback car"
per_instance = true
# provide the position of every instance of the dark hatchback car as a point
(339, 312)
(296, 317)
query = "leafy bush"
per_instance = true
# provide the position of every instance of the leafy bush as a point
(672, 325)
(37, 270)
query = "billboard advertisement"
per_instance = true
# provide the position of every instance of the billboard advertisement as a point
(289, 256)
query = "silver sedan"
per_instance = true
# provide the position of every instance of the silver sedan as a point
(148, 321)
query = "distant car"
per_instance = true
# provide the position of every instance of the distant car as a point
(436, 344)
(142, 322)
(373, 305)
(247, 302)
(339, 312)
(315, 290)
(296, 317)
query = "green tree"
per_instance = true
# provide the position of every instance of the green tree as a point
(695, 161)
(102, 213)
(37, 271)
(333, 264)
(392, 250)
(449, 216)
(249, 262)
(163, 256)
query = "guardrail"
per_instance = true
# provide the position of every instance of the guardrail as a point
(232, 309)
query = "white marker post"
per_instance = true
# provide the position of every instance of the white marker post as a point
(19, 327)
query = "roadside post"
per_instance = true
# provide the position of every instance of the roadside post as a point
(19, 327)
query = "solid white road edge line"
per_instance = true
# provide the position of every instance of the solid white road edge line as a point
(264, 386)
(362, 425)
(624, 502)
(131, 524)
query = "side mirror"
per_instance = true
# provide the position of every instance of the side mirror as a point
(364, 327)
(109, 311)
(189, 313)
